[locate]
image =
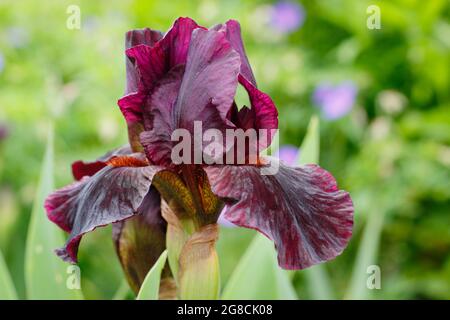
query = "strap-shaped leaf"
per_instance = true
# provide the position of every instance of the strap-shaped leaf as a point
(258, 276)
(150, 287)
(7, 290)
(46, 276)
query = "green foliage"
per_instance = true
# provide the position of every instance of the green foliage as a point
(258, 276)
(45, 273)
(150, 287)
(7, 290)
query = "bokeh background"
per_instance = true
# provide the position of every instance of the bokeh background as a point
(382, 97)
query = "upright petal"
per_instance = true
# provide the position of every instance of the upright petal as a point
(206, 94)
(151, 61)
(233, 31)
(263, 113)
(113, 194)
(262, 117)
(209, 82)
(300, 209)
(133, 38)
(158, 118)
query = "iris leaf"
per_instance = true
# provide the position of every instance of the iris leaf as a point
(318, 281)
(150, 287)
(46, 275)
(257, 275)
(7, 290)
(366, 256)
(310, 149)
(123, 291)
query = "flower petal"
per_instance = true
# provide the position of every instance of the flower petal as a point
(209, 81)
(233, 31)
(140, 240)
(158, 118)
(300, 209)
(170, 51)
(81, 168)
(265, 114)
(133, 38)
(112, 194)
(151, 61)
(206, 94)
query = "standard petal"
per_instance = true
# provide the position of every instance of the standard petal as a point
(140, 240)
(150, 62)
(111, 195)
(158, 118)
(300, 209)
(209, 82)
(233, 32)
(133, 38)
(205, 95)
(264, 114)
(89, 168)
(131, 106)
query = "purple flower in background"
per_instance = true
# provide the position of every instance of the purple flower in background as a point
(335, 101)
(2, 62)
(287, 16)
(288, 154)
(17, 37)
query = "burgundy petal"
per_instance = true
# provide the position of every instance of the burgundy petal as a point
(265, 114)
(205, 95)
(112, 194)
(152, 61)
(140, 240)
(209, 82)
(131, 106)
(81, 168)
(233, 31)
(158, 118)
(133, 38)
(300, 209)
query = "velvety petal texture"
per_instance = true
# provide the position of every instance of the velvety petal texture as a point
(299, 208)
(262, 113)
(113, 194)
(133, 38)
(205, 94)
(151, 61)
(233, 32)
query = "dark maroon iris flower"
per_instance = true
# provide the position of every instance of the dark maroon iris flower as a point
(191, 74)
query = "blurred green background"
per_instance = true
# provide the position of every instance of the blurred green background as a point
(382, 96)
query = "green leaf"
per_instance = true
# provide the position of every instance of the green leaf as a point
(318, 281)
(123, 291)
(150, 287)
(310, 149)
(7, 290)
(366, 256)
(46, 275)
(257, 275)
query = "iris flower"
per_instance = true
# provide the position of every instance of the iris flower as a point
(191, 74)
